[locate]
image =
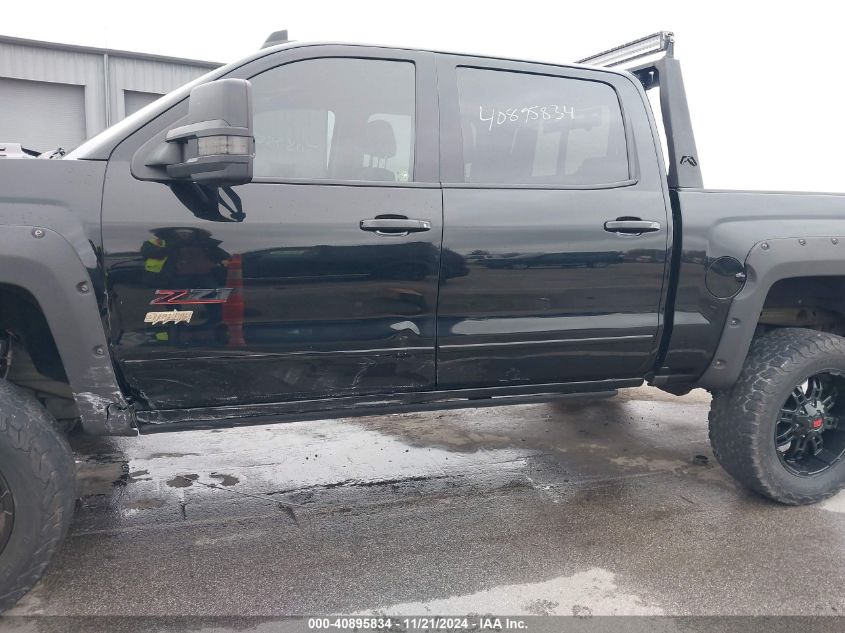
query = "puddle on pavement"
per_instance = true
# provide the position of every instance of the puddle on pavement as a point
(182, 481)
(225, 480)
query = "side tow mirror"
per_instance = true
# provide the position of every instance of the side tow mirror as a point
(216, 147)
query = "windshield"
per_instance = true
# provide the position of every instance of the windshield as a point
(99, 147)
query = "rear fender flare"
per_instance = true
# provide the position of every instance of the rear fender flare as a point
(768, 262)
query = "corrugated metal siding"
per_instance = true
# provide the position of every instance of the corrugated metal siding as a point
(86, 69)
(142, 75)
(43, 64)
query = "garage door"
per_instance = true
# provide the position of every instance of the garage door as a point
(41, 115)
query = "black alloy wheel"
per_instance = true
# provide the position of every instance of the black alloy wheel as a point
(808, 436)
(780, 428)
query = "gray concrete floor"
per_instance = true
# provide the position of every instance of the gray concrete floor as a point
(584, 507)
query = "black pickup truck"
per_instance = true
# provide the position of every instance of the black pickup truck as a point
(329, 230)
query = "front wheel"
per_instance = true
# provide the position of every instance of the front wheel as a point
(780, 430)
(37, 491)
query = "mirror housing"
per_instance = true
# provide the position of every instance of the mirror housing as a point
(216, 147)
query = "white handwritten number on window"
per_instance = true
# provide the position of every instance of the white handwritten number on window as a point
(524, 115)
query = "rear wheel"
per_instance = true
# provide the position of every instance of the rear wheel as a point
(780, 430)
(37, 491)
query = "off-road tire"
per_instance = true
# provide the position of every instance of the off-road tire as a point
(743, 418)
(37, 466)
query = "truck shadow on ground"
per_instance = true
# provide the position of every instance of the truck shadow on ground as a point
(587, 438)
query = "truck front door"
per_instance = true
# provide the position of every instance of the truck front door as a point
(317, 279)
(554, 199)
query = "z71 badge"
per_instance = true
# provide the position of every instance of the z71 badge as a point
(160, 318)
(194, 296)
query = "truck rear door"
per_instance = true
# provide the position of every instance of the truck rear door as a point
(554, 202)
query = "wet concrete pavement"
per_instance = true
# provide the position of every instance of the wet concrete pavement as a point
(576, 508)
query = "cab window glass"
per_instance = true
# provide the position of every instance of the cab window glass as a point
(519, 128)
(335, 118)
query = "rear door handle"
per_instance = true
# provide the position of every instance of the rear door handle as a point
(631, 227)
(395, 226)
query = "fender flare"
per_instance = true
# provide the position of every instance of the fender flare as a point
(45, 264)
(768, 262)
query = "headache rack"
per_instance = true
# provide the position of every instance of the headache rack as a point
(663, 73)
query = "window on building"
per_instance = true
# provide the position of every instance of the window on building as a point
(335, 118)
(520, 128)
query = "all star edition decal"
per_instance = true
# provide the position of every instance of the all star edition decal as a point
(177, 316)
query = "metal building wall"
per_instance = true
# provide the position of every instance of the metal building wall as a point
(57, 66)
(143, 75)
(104, 75)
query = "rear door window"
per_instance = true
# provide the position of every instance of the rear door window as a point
(526, 129)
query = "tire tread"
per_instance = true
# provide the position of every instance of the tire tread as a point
(28, 430)
(737, 415)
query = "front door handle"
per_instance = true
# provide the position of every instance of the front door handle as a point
(395, 226)
(633, 226)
